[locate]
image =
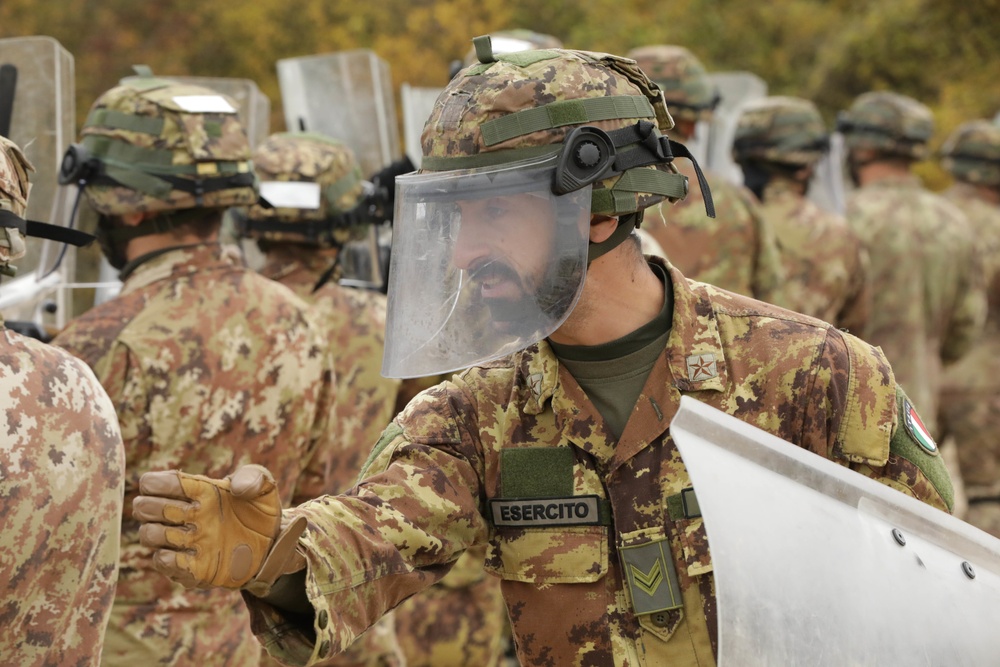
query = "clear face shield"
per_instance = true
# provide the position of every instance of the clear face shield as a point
(485, 262)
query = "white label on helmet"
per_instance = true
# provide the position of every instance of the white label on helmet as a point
(509, 45)
(204, 104)
(290, 194)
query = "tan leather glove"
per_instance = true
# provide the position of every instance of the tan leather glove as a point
(218, 532)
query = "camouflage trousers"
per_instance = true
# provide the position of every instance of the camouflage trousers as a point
(459, 622)
(375, 648)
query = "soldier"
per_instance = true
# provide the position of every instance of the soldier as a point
(970, 407)
(61, 476)
(779, 141)
(208, 364)
(514, 259)
(737, 250)
(929, 301)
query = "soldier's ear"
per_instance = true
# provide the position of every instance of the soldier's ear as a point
(602, 227)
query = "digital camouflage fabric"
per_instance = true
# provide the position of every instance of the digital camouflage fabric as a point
(929, 298)
(209, 366)
(687, 90)
(736, 250)
(826, 268)
(520, 429)
(61, 475)
(972, 153)
(889, 124)
(14, 189)
(308, 158)
(149, 137)
(970, 395)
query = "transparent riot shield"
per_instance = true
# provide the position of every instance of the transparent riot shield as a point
(252, 106)
(347, 96)
(38, 104)
(417, 106)
(827, 189)
(818, 565)
(735, 90)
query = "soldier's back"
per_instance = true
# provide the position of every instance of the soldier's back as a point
(61, 476)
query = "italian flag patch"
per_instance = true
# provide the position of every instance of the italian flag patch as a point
(917, 430)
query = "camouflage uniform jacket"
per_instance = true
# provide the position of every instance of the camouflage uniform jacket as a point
(825, 265)
(61, 476)
(736, 251)
(929, 300)
(456, 446)
(209, 366)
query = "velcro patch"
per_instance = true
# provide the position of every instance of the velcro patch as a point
(916, 429)
(651, 577)
(525, 512)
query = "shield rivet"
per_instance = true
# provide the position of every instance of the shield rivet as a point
(899, 537)
(967, 568)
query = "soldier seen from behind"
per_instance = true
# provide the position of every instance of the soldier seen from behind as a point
(779, 141)
(514, 259)
(61, 474)
(735, 251)
(929, 299)
(970, 395)
(208, 364)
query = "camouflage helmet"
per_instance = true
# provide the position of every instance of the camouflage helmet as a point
(786, 130)
(515, 106)
(14, 188)
(686, 87)
(152, 145)
(972, 153)
(313, 159)
(511, 41)
(889, 124)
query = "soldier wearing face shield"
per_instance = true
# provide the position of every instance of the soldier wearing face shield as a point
(969, 405)
(60, 478)
(779, 141)
(737, 250)
(209, 365)
(553, 448)
(929, 299)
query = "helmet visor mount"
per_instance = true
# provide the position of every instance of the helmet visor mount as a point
(486, 261)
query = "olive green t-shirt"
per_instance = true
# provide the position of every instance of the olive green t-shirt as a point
(613, 374)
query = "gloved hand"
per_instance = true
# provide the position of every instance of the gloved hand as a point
(218, 532)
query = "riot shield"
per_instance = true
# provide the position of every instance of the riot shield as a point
(818, 565)
(252, 106)
(827, 188)
(39, 105)
(714, 139)
(347, 96)
(417, 106)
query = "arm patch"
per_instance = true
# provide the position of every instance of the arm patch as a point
(909, 442)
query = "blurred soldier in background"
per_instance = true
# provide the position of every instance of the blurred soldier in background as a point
(61, 473)
(208, 364)
(779, 141)
(970, 397)
(929, 300)
(736, 250)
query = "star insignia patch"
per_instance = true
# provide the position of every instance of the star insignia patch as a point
(701, 367)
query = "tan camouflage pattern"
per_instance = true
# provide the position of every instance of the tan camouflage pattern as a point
(311, 158)
(14, 189)
(203, 139)
(688, 91)
(788, 130)
(424, 500)
(826, 268)
(537, 40)
(972, 153)
(970, 393)
(736, 250)
(929, 300)
(888, 123)
(528, 80)
(210, 366)
(61, 476)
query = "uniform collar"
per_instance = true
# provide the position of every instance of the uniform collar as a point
(176, 262)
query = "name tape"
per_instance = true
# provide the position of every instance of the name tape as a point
(523, 512)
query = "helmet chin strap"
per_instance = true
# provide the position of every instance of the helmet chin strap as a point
(626, 223)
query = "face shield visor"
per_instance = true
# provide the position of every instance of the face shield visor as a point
(485, 262)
